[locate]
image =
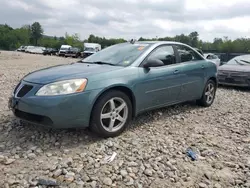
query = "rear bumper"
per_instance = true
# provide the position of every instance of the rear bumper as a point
(65, 111)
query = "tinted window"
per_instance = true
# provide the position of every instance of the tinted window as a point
(187, 54)
(165, 54)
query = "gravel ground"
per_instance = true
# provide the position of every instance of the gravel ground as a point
(151, 153)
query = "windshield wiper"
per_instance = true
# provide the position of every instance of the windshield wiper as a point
(238, 62)
(100, 63)
(248, 62)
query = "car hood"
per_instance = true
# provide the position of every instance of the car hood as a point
(239, 68)
(70, 71)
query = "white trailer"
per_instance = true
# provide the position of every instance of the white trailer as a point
(91, 48)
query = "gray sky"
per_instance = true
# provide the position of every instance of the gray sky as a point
(132, 18)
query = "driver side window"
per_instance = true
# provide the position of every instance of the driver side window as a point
(165, 54)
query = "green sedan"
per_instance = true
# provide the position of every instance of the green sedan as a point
(106, 90)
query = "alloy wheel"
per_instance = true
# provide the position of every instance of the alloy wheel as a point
(210, 91)
(114, 114)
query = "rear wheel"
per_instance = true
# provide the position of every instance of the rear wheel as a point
(208, 95)
(111, 114)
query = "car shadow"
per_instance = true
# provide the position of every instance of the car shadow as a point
(26, 135)
(238, 88)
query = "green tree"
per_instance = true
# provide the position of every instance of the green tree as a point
(194, 37)
(36, 31)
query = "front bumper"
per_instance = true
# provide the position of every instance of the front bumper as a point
(61, 53)
(236, 80)
(65, 111)
(86, 54)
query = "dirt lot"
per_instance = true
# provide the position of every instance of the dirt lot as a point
(151, 153)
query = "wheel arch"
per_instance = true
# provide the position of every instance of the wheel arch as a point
(214, 79)
(122, 88)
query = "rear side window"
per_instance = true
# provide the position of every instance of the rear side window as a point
(187, 54)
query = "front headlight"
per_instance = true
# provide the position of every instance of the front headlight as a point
(63, 87)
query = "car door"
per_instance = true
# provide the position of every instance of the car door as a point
(193, 69)
(159, 86)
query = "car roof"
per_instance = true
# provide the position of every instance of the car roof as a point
(158, 42)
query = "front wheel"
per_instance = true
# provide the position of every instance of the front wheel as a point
(208, 95)
(111, 114)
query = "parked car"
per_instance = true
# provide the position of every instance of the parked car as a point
(73, 52)
(37, 50)
(20, 49)
(90, 48)
(50, 51)
(213, 58)
(24, 48)
(63, 49)
(107, 89)
(236, 72)
(29, 49)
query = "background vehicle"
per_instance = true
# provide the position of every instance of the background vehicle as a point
(63, 49)
(24, 48)
(90, 48)
(29, 49)
(21, 48)
(236, 72)
(73, 52)
(50, 51)
(37, 50)
(213, 58)
(107, 89)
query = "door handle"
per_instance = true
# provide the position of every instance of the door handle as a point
(176, 71)
(202, 66)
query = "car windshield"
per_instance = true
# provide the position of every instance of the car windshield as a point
(120, 54)
(240, 60)
(64, 48)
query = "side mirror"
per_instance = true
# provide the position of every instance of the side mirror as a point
(153, 63)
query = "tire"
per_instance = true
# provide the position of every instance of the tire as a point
(103, 106)
(204, 101)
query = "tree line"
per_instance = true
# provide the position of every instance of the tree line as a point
(11, 39)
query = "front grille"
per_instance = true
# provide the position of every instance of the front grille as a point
(24, 90)
(233, 74)
(33, 118)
